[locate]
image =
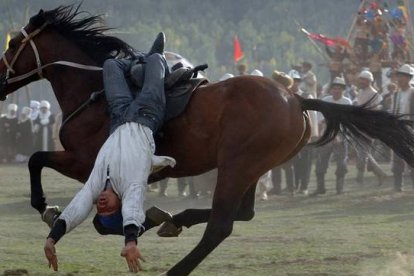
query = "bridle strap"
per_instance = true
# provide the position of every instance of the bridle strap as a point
(40, 67)
(36, 52)
(28, 37)
(9, 68)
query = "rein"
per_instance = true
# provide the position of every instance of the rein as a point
(92, 99)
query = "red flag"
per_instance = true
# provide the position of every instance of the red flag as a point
(328, 40)
(237, 51)
(321, 38)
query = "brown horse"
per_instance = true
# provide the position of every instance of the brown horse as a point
(243, 126)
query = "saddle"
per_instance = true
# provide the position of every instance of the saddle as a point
(179, 86)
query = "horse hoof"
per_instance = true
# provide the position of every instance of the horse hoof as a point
(168, 230)
(158, 216)
(50, 215)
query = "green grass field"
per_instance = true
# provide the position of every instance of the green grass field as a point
(367, 231)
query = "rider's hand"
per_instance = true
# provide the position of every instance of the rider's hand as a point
(132, 256)
(50, 252)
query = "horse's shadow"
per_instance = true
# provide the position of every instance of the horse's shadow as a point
(23, 207)
(398, 207)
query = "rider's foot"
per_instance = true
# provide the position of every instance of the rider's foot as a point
(158, 45)
(158, 216)
(50, 215)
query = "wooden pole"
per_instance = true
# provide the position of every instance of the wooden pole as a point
(410, 29)
(351, 30)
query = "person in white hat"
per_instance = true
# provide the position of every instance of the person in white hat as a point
(256, 72)
(42, 128)
(338, 146)
(226, 76)
(291, 80)
(34, 105)
(8, 128)
(403, 103)
(24, 136)
(309, 80)
(302, 163)
(367, 94)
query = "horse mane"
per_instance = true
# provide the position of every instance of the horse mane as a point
(86, 32)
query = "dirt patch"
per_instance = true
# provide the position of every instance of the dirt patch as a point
(342, 259)
(15, 272)
(271, 239)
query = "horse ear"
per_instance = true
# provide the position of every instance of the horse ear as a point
(38, 19)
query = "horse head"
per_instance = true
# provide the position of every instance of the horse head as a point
(56, 37)
(21, 62)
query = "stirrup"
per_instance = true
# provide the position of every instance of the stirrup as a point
(157, 216)
(168, 229)
(50, 215)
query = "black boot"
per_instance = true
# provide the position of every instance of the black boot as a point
(398, 182)
(163, 188)
(360, 177)
(320, 189)
(340, 184)
(158, 45)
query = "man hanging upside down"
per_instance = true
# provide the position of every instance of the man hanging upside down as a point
(118, 181)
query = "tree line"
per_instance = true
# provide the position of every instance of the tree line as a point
(203, 31)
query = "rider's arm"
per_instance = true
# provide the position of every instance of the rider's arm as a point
(58, 230)
(131, 233)
(77, 210)
(132, 211)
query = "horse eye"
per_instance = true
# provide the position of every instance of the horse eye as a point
(12, 44)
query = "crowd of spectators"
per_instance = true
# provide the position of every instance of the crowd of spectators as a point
(26, 130)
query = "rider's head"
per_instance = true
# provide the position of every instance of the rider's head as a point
(108, 219)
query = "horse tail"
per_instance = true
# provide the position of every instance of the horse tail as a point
(360, 124)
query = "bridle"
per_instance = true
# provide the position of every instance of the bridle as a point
(6, 79)
(39, 70)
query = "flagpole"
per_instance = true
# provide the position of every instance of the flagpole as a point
(410, 28)
(348, 37)
(318, 49)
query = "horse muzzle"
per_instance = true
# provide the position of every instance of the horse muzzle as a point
(3, 84)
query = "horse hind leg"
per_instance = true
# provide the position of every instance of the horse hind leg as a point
(190, 217)
(228, 197)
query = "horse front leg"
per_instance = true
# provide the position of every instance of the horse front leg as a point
(229, 197)
(61, 161)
